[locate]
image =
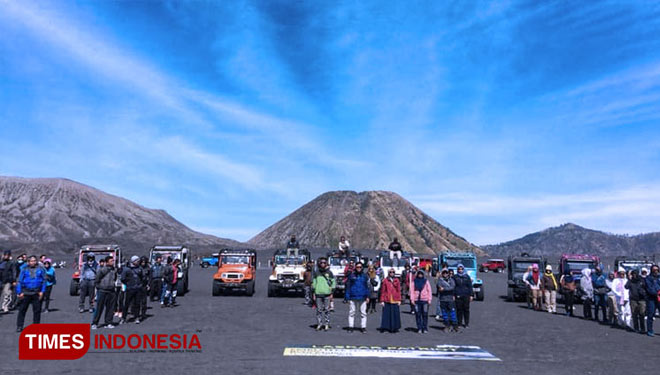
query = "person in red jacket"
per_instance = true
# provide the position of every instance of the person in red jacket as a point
(390, 300)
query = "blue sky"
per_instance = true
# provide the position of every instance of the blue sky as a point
(496, 118)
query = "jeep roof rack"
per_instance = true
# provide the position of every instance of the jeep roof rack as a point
(99, 247)
(300, 252)
(169, 247)
(337, 253)
(237, 252)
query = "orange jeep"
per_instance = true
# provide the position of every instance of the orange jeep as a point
(236, 271)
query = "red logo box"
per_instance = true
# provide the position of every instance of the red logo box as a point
(54, 341)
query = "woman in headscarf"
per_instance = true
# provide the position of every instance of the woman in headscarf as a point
(587, 289)
(533, 281)
(374, 287)
(421, 295)
(390, 300)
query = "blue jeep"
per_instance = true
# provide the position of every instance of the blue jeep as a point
(209, 261)
(450, 260)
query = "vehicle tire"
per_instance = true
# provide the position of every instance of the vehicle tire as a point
(250, 288)
(217, 290)
(484, 270)
(74, 289)
(480, 294)
(181, 288)
(205, 264)
(510, 296)
(271, 291)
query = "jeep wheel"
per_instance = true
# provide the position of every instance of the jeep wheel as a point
(205, 264)
(217, 290)
(484, 270)
(509, 294)
(73, 288)
(180, 288)
(272, 292)
(480, 294)
(250, 288)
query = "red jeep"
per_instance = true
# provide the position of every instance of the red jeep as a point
(495, 265)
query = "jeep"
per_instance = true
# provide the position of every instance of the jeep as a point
(630, 263)
(575, 263)
(495, 265)
(338, 263)
(287, 272)
(517, 266)
(209, 261)
(236, 271)
(99, 252)
(175, 252)
(451, 260)
(386, 263)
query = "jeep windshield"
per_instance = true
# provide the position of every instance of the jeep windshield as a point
(337, 261)
(235, 259)
(164, 255)
(98, 255)
(521, 267)
(387, 262)
(291, 260)
(635, 265)
(575, 266)
(454, 262)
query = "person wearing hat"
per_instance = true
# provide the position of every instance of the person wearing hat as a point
(549, 286)
(87, 282)
(533, 282)
(7, 279)
(133, 277)
(621, 308)
(50, 281)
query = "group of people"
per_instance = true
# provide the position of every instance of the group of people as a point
(623, 299)
(109, 290)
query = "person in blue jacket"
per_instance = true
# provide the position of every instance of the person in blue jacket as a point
(30, 288)
(357, 295)
(653, 297)
(50, 281)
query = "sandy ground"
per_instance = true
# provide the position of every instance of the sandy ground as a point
(241, 334)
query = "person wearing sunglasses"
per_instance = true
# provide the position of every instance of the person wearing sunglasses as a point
(323, 285)
(357, 295)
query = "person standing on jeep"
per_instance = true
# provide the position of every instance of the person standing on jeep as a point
(105, 289)
(323, 285)
(30, 289)
(357, 294)
(653, 297)
(599, 281)
(292, 245)
(133, 277)
(395, 251)
(156, 283)
(308, 275)
(87, 279)
(463, 291)
(344, 246)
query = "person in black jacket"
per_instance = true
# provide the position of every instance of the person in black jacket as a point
(146, 284)
(156, 283)
(292, 245)
(133, 277)
(105, 293)
(395, 251)
(7, 279)
(463, 292)
(637, 291)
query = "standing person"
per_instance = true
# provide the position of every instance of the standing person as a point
(167, 280)
(587, 288)
(105, 289)
(171, 280)
(599, 281)
(156, 284)
(374, 288)
(653, 297)
(395, 251)
(637, 293)
(533, 282)
(344, 246)
(133, 278)
(421, 295)
(146, 284)
(50, 281)
(390, 300)
(612, 313)
(87, 279)
(30, 289)
(621, 300)
(323, 285)
(463, 291)
(348, 269)
(550, 287)
(568, 287)
(410, 277)
(404, 282)
(357, 294)
(292, 245)
(7, 279)
(446, 301)
(307, 279)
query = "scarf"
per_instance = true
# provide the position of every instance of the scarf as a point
(535, 276)
(554, 281)
(419, 283)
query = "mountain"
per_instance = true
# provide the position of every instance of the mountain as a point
(60, 214)
(369, 220)
(574, 239)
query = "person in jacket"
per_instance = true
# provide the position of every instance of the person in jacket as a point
(323, 285)
(292, 246)
(533, 282)
(621, 308)
(601, 289)
(652, 297)
(587, 289)
(568, 287)
(87, 279)
(348, 269)
(171, 280)
(395, 251)
(344, 246)
(357, 294)
(105, 288)
(390, 300)
(156, 283)
(30, 288)
(421, 295)
(308, 276)
(144, 290)
(133, 278)
(550, 286)
(637, 294)
(529, 290)
(374, 288)
(7, 280)
(446, 301)
(50, 282)
(463, 291)
(408, 280)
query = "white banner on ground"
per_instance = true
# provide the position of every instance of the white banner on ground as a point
(416, 352)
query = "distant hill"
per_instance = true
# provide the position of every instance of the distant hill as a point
(59, 214)
(368, 219)
(574, 239)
